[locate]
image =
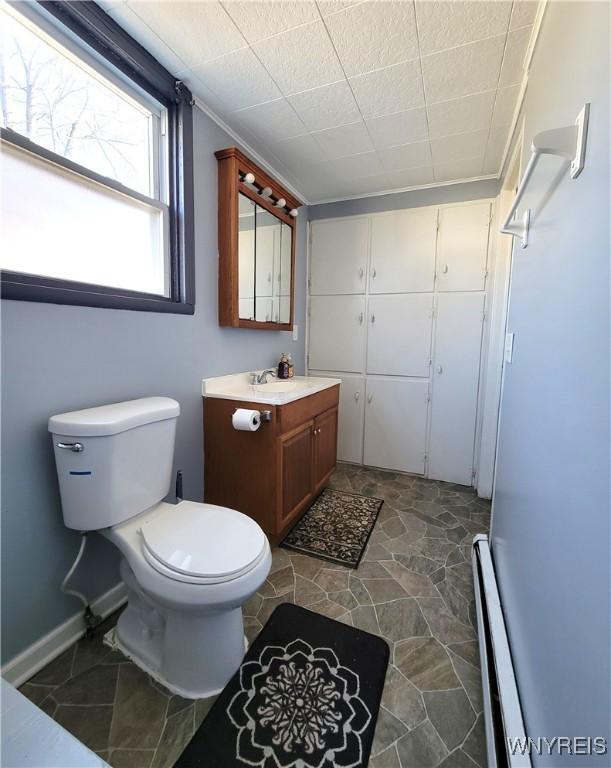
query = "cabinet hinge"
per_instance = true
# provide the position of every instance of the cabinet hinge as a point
(473, 474)
(427, 397)
(484, 314)
(309, 283)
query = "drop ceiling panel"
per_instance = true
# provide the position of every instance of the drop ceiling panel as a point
(402, 128)
(471, 113)
(347, 98)
(326, 107)
(388, 90)
(443, 25)
(301, 58)
(345, 140)
(264, 18)
(371, 36)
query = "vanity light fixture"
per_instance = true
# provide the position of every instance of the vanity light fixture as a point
(280, 202)
(293, 212)
(249, 178)
(266, 191)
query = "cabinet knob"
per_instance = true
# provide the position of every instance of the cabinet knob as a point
(445, 269)
(373, 319)
(356, 396)
(361, 273)
(373, 272)
(369, 398)
(440, 369)
(361, 317)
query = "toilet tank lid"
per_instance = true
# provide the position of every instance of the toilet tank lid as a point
(114, 418)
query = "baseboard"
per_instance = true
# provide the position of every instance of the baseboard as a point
(21, 668)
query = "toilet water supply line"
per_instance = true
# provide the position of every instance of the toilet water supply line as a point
(91, 620)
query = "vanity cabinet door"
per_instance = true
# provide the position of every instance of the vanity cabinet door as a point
(296, 476)
(325, 447)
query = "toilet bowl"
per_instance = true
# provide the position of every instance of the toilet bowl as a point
(187, 567)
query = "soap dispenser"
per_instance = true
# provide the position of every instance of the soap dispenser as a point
(283, 367)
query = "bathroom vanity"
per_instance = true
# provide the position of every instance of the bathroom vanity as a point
(274, 473)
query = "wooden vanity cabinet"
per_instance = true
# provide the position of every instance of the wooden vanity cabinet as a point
(275, 473)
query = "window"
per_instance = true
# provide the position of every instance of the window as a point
(96, 183)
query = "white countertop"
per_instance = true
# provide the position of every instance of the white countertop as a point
(237, 387)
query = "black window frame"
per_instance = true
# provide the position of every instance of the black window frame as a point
(98, 30)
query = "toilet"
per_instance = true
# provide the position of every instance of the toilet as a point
(187, 567)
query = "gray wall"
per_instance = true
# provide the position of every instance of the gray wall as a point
(58, 358)
(452, 193)
(550, 526)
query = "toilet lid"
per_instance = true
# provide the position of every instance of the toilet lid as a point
(203, 540)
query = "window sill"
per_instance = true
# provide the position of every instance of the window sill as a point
(29, 288)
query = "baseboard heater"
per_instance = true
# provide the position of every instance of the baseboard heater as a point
(502, 712)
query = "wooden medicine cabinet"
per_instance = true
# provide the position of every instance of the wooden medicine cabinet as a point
(256, 237)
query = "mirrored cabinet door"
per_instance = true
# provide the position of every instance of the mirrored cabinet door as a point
(256, 246)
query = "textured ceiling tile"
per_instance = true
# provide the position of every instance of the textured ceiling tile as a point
(355, 166)
(466, 168)
(504, 106)
(407, 156)
(273, 120)
(410, 177)
(523, 14)
(453, 148)
(472, 68)
(263, 18)
(344, 140)
(133, 24)
(470, 113)
(301, 58)
(326, 107)
(327, 7)
(298, 153)
(389, 90)
(373, 35)
(239, 79)
(494, 151)
(443, 25)
(402, 128)
(512, 70)
(196, 31)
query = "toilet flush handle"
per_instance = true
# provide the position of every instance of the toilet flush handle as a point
(76, 447)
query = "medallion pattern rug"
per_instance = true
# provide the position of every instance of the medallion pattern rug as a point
(306, 696)
(336, 527)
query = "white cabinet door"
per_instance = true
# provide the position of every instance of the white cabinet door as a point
(395, 424)
(403, 248)
(338, 256)
(351, 415)
(458, 339)
(337, 333)
(399, 334)
(462, 250)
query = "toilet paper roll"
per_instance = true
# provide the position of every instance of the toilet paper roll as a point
(245, 420)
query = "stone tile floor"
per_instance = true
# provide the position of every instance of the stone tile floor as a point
(413, 587)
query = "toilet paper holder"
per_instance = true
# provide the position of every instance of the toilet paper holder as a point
(265, 415)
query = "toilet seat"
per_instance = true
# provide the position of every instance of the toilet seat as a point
(202, 543)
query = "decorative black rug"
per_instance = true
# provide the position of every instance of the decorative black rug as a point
(336, 527)
(307, 694)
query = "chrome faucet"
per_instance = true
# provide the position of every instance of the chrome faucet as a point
(261, 378)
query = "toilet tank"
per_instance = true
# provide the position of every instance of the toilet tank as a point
(114, 461)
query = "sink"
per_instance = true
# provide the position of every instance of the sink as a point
(279, 386)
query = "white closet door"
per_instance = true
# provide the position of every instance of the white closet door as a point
(458, 340)
(403, 248)
(337, 333)
(399, 334)
(462, 250)
(395, 424)
(338, 256)
(351, 415)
